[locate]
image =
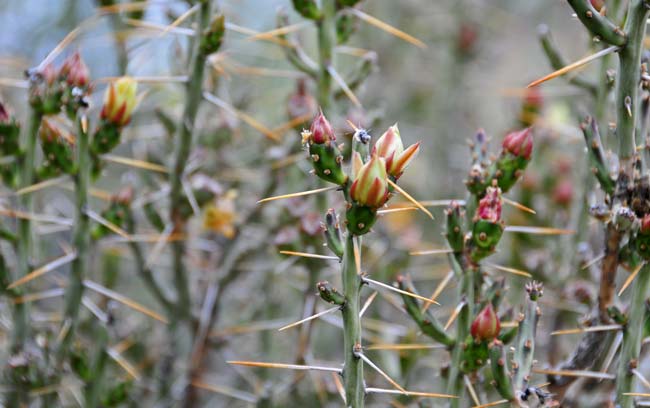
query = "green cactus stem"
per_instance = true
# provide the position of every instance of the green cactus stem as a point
(598, 24)
(632, 336)
(183, 147)
(557, 61)
(81, 239)
(428, 323)
(525, 342)
(597, 159)
(326, 27)
(353, 368)
(24, 244)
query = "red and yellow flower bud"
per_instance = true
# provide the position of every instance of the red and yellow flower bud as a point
(370, 186)
(390, 147)
(74, 71)
(519, 143)
(119, 101)
(486, 325)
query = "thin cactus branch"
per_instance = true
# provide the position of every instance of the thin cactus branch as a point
(632, 337)
(24, 245)
(326, 27)
(598, 24)
(81, 240)
(183, 147)
(557, 61)
(353, 368)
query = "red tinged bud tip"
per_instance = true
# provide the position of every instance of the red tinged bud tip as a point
(486, 325)
(4, 115)
(645, 225)
(390, 148)
(489, 208)
(519, 143)
(597, 4)
(321, 130)
(74, 71)
(533, 98)
(370, 186)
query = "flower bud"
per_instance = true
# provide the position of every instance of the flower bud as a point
(370, 186)
(213, 37)
(488, 227)
(74, 71)
(307, 8)
(301, 104)
(489, 208)
(645, 225)
(486, 325)
(119, 101)
(326, 156)
(9, 133)
(56, 149)
(563, 193)
(321, 130)
(390, 147)
(519, 143)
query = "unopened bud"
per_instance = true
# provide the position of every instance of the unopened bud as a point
(329, 293)
(370, 186)
(486, 325)
(119, 101)
(321, 130)
(519, 143)
(74, 71)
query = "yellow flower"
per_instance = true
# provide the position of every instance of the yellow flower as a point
(220, 216)
(370, 186)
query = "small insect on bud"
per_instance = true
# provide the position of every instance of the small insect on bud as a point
(486, 325)
(390, 147)
(519, 143)
(370, 186)
(119, 101)
(74, 71)
(321, 130)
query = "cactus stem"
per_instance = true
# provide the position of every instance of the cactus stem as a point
(353, 367)
(81, 239)
(632, 336)
(182, 149)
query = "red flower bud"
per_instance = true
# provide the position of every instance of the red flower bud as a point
(4, 115)
(645, 225)
(519, 143)
(301, 104)
(321, 130)
(486, 325)
(563, 193)
(533, 98)
(489, 208)
(74, 71)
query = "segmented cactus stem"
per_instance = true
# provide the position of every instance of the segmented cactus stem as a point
(81, 239)
(353, 368)
(632, 336)
(183, 147)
